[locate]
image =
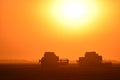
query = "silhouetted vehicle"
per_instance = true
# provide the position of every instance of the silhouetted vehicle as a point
(90, 59)
(50, 60)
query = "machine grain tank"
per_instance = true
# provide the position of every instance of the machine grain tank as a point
(90, 59)
(49, 60)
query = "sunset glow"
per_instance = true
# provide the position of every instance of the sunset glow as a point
(75, 13)
(69, 28)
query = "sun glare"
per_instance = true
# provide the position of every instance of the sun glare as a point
(74, 13)
(74, 10)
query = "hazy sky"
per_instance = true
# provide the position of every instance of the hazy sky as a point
(27, 30)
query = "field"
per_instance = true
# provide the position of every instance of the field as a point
(64, 72)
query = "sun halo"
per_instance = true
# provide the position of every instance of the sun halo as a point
(74, 13)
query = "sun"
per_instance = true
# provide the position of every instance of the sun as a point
(74, 13)
(74, 10)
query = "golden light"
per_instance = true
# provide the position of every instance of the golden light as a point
(74, 10)
(75, 13)
(71, 17)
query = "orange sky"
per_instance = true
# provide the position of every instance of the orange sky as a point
(27, 30)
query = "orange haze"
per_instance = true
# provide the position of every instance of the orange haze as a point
(27, 30)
